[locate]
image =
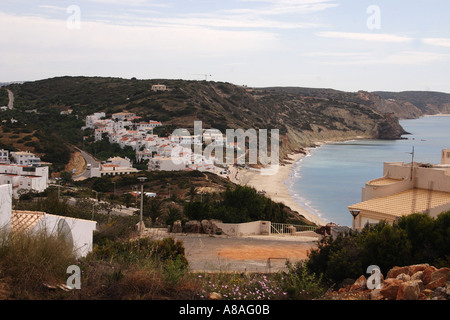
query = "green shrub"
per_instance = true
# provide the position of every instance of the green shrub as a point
(413, 239)
(300, 284)
(141, 250)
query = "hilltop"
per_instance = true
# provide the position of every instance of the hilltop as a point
(303, 116)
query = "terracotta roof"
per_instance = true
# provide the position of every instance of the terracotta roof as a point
(405, 202)
(25, 220)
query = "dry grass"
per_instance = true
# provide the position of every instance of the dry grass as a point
(28, 261)
(77, 162)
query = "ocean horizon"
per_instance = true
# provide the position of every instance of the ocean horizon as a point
(330, 178)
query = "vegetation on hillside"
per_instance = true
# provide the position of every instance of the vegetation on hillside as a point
(298, 114)
(413, 239)
(237, 205)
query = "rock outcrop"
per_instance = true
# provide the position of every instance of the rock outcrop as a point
(415, 282)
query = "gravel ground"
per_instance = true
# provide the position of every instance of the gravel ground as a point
(240, 254)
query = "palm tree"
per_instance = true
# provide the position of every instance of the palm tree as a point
(152, 208)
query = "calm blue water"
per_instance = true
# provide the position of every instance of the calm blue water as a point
(331, 177)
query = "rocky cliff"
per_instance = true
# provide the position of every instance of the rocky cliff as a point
(428, 102)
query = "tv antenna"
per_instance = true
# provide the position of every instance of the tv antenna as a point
(412, 162)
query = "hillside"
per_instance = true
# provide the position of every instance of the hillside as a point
(428, 102)
(303, 116)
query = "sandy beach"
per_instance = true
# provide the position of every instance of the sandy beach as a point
(274, 185)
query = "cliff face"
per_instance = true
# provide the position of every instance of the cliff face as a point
(402, 109)
(315, 115)
(427, 102)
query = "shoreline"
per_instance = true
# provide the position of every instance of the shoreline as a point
(275, 185)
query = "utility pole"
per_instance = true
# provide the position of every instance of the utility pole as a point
(412, 162)
(94, 204)
(141, 179)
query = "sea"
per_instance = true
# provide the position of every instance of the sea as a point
(331, 176)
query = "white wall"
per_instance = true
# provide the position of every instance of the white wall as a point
(81, 231)
(242, 229)
(371, 191)
(5, 207)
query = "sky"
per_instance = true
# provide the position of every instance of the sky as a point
(350, 45)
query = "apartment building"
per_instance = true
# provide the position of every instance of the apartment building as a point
(23, 178)
(405, 188)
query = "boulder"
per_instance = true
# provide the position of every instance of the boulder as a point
(177, 227)
(375, 294)
(207, 226)
(210, 227)
(389, 288)
(360, 283)
(440, 273)
(417, 267)
(395, 271)
(215, 296)
(409, 290)
(403, 277)
(427, 274)
(417, 276)
(193, 226)
(425, 294)
(437, 283)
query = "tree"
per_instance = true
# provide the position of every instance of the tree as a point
(108, 207)
(173, 214)
(66, 177)
(152, 208)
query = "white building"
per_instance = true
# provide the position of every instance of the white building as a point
(159, 87)
(114, 166)
(124, 116)
(405, 189)
(25, 158)
(158, 163)
(4, 156)
(185, 138)
(78, 232)
(90, 120)
(24, 177)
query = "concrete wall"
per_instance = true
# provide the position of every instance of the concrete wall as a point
(5, 207)
(79, 230)
(243, 229)
(424, 177)
(434, 212)
(370, 191)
